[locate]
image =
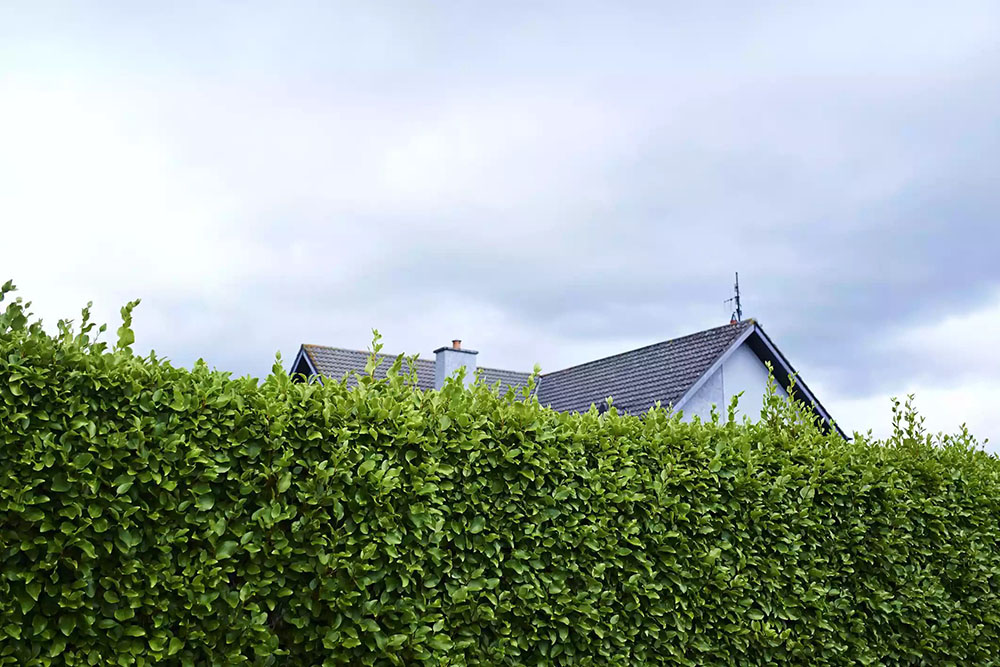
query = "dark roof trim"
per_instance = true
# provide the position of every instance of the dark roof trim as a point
(303, 355)
(767, 351)
(759, 342)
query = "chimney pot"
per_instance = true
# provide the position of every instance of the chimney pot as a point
(456, 344)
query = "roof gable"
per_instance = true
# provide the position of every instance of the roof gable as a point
(783, 371)
(669, 372)
(757, 340)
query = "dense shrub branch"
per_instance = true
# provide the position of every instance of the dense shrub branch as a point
(152, 514)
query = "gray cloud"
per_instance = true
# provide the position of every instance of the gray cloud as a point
(553, 181)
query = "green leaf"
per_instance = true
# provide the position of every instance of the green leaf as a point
(34, 590)
(57, 646)
(87, 548)
(126, 337)
(226, 549)
(33, 514)
(67, 624)
(82, 460)
(440, 643)
(284, 482)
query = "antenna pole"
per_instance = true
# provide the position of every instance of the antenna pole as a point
(739, 307)
(737, 315)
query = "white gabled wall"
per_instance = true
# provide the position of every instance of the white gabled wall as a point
(741, 371)
(709, 394)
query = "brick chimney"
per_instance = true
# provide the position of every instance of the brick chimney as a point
(447, 361)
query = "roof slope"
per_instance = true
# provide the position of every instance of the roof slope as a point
(638, 379)
(336, 362)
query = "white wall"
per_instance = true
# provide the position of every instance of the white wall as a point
(742, 371)
(709, 394)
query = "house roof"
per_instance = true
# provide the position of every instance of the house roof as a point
(639, 378)
(636, 379)
(336, 362)
(668, 372)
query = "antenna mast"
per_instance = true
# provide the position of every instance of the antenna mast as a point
(737, 315)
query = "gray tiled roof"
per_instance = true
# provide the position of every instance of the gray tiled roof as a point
(507, 379)
(638, 379)
(337, 362)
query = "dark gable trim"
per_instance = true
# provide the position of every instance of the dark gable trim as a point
(783, 371)
(303, 366)
(767, 352)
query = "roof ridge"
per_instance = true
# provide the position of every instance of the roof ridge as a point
(393, 356)
(738, 325)
(502, 370)
(341, 349)
(353, 351)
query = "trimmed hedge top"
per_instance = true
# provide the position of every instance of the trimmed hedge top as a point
(151, 514)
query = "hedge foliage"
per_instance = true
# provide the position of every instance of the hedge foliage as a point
(152, 514)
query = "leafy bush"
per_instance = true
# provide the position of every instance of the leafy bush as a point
(155, 514)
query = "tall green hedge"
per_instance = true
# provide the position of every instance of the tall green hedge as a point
(152, 514)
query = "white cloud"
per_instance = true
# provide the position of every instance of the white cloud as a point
(944, 408)
(966, 343)
(552, 184)
(961, 383)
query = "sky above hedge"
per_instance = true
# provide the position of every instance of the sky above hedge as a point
(550, 184)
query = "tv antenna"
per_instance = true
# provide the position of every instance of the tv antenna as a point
(737, 315)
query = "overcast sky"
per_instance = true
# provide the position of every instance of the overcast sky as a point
(550, 182)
